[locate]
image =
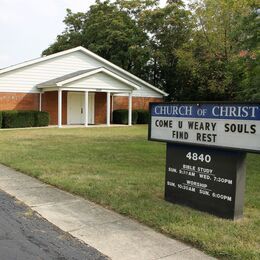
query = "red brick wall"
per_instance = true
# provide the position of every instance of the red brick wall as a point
(19, 101)
(50, 104)
(30, 101)
(138, 102)
(119, 103)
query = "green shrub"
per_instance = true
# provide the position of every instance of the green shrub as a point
(120, 116)
(1, 119)
(18, 119)
(41, 118)
(143, 116)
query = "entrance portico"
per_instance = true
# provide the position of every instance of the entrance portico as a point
(81, 89)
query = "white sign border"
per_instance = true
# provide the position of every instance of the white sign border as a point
(151, 104)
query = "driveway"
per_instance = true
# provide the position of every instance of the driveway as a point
(25, 235)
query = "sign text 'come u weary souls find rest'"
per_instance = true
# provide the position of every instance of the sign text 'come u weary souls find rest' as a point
(235, 126)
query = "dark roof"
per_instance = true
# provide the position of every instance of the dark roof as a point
(65, 77)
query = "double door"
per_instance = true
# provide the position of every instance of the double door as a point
(76, 113)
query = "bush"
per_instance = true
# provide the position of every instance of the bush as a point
(16, 119)
(1, 119)
(120, 116)
(19, 119)
(143, 116)
(42, 118)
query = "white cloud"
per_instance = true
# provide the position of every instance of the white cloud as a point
(27, 27)
(4, 58)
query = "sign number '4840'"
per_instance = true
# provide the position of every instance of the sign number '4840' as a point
(198, 157)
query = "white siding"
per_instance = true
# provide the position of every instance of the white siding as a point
(25, 79)
(144, 92)
(99, 81)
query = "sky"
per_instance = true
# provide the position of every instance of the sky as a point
(27, 27)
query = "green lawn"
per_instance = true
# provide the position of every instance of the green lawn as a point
(119, 168)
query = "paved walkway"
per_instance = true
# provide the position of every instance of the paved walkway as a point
(24, 235)
(112, 234)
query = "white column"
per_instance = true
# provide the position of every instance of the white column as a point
(108, 108)
(40, 102)
(59, 108)
(112, 106)
(86, 108)
(130, 109)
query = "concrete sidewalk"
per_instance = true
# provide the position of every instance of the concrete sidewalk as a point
(112, 234)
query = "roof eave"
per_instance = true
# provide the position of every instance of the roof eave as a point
(104, 70)
(39, 86)
(80, 48)
(40, 59)
(122, 70)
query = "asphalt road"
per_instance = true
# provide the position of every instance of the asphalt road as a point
(24, 235)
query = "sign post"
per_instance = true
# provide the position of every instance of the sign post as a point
(206, 151)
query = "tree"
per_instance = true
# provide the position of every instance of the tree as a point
(72, 35)
(206, 52)
(217, 42)
(170, 29)
(112, 34)
(107, 31)
(248, 60)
